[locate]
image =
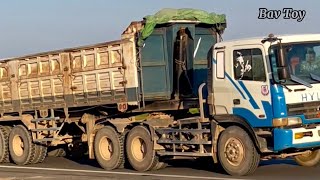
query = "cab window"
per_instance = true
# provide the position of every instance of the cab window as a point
(248, 65)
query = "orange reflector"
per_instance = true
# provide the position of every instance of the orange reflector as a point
(298, 135)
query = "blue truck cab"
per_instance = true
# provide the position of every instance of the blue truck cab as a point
(271, 86)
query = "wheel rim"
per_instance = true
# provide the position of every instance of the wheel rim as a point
(138, 148)
(234, 151)
(106, 148)
(18, 145)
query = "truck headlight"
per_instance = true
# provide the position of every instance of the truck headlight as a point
(289, 121)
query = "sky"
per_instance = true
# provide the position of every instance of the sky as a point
(35, 25)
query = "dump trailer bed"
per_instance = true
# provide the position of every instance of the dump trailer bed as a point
(158, 68)
(82, 76)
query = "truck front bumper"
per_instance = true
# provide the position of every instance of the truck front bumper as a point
(298, 138)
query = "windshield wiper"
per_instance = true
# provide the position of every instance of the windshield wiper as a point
(315, 77)
(300, 81)
(285, 86)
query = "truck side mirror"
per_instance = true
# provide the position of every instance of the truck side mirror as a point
(281, 61)
(283, 73)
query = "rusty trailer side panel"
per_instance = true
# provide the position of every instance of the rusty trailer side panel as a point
(84, 76)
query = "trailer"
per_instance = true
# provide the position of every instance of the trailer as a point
(93, 99)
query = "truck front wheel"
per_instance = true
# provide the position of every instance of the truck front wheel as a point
(139, 148)
(108, 148)
(236, 152)
(309, 160)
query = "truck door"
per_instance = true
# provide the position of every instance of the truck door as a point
(240, 84)
(249, 74)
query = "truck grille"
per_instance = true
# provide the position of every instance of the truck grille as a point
(310, 110)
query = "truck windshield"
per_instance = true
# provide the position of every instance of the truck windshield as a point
(303, 60)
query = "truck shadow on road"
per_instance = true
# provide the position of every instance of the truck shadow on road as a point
(83, 160)
(208, 164)
(203, 164)
(280, 161)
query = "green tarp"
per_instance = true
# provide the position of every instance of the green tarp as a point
(168, 14)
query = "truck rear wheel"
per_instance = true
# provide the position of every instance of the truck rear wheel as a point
(4, 144)
(308, 160)
(57, 152)
(139, 147)
(21, 147)
(39, 154)
(108, 148)
(160, 165)
(236, 152)
(159, 162)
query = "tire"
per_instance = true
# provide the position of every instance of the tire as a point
(58, 152)
(19, 136)
(40, 154)
(160, 165)
(4, 144)
(139, 148)
(108, 148)
(243, 158)
(308, 160)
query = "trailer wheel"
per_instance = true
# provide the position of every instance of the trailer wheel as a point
(4, 144)
(308, 160)
(58, 152)
(236, 152)
(108, 148)
(21, 147)
(139, 148)
(160, 165)
(39, 154)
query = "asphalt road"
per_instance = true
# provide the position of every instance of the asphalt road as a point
(63, 168)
